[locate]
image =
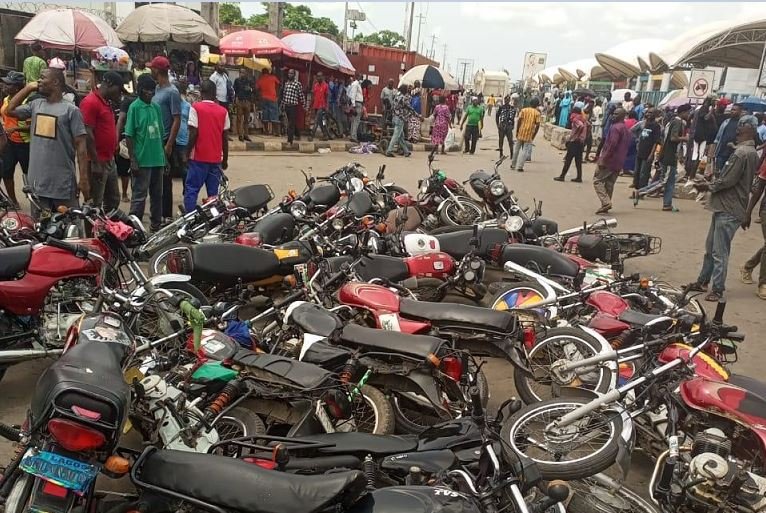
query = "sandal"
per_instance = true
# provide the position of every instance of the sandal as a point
(696, 287)
(713, 297)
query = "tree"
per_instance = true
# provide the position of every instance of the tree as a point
(387, 38)
(230, 14)
(295, 17)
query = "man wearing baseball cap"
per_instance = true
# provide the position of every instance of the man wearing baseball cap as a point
(729, 195)
(98, 116)
(17, 150)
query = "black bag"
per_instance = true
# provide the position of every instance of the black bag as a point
(597, 247)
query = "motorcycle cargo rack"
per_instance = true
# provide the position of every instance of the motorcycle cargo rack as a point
(247, 446)
(614, 248)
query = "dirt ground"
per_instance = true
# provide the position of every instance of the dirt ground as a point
(683, 236)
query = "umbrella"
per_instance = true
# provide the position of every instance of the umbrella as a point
(675, 94)
(312, 47)
(430, 77)
(107, 58)
(68, 29)
(584, 92)
(252, 42)
(753, 104)
(166, 22)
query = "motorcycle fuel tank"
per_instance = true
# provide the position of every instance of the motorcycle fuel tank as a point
(431, 265)
(370, 296)
(704, 365)
(419, 244)
(607, 302)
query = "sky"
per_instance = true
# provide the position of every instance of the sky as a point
(495, 35)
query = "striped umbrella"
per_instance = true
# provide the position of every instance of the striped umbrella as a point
(312, 47)
(430, 77)
(68, 29)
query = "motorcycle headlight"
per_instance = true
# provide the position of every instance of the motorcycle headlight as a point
(514, 224)
(298, 209)
(356, 185)
(497, 188)
(338, 224)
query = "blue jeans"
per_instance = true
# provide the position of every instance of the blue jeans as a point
(723, 226)
(521, 149)
(670, 185)
(643, 170)
(197, 175)
(147, 181)
(398, 137)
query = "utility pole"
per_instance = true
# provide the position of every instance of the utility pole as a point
(345, 25)
(433, 42)
(275, 11)
(409, 30)
(421, 20)
(444, 56)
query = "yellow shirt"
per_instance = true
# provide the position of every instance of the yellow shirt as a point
(491, 100)
(529, 120)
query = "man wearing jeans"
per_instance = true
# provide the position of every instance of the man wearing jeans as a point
(356, 97)
(292, 99)
(402, 111)
(144, 135)
(473, 120)
(728, 201)
(759, 258)
(674, 135)
(526, 130)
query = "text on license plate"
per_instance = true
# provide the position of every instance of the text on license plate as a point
(67, 472)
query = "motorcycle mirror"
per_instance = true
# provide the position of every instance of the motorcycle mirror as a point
(381, 172)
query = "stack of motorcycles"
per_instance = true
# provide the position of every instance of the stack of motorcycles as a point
(325, 353)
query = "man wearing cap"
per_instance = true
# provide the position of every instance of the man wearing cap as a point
(727, 135)
(57, 134)
(17, 150)
(98, 116)
(34, 64)
(168, 99)
(729, 194)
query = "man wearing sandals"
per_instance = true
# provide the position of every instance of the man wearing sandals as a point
(729, 194)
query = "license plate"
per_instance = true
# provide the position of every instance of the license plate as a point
(66, 472)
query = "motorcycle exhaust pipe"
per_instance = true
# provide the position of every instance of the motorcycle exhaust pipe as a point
(605, 223)
(22, 355)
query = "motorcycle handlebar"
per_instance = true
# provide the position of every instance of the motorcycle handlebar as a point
(719, 310)
(478, 409)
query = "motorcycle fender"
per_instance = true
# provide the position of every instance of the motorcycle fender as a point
(308, 424)
(501, 348)
(160, 279)
(443, 204)
(420, 382)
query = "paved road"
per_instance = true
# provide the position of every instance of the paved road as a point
(683, 235)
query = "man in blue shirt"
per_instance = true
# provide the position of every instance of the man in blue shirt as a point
(726, 137)
(336, 88)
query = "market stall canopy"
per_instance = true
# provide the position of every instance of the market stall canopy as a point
(583, 69)
(622, 61)
(252, 42)
(550, 75)
(166, 22)
(739, 46)
(430, 77)
(68, 29)
(313, 47)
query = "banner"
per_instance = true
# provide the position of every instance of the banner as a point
(534, 63)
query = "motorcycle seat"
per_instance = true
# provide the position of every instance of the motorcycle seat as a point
(253, 197)
(455, 244)
(226, 263)
(383, 266)
(450, 313)
(314, 319)
(325, 195)
(276, 228)
(346, 443)
(750, 384)
(420, 346)
(292, 372)
(637, 318)
(430, 462)
(14, 261)
(233, 484)
(539, 259)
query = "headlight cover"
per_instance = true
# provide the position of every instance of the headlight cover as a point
(298, 209)
(497, 188)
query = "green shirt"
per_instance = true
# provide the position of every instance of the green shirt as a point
(144, 126)
(474, 114)
(33, 67)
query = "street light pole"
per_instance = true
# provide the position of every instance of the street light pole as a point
(345, 25)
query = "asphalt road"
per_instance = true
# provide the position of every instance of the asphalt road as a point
(683, 235)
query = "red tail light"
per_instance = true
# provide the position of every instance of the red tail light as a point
(75, 437)
(452, 367)
(54, 490)
(267, 464)
(529, 337)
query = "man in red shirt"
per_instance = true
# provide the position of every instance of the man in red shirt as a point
(98, 116)
(209, 125)
(267, 90)
(321, 93)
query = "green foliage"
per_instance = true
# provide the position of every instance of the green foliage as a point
(295, 17)
(387, 38)
(230, 14)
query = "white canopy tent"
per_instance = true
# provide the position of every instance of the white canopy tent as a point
(739, 46)
(583, 69)
(624, 60)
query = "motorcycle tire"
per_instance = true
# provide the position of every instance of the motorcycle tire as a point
(554, 466)
(157, 263)
(447, 217)
(590, 496)
(429, 290)
(580, 345)
(384, 413)
(166, 237)
(507, 296)
(19, 496)
(239, 422)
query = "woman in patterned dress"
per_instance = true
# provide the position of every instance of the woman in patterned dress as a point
(442, 123)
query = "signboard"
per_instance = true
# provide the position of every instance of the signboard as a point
(354, 15)
(701, 83)
(534, 63)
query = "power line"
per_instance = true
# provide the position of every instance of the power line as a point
(367, 18)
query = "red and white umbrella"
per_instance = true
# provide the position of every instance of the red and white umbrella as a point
(68, 29)
(252, 42)
(311, 47)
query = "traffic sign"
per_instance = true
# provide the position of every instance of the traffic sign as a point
(701, 83)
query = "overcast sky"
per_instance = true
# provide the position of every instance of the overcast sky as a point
(496, 35)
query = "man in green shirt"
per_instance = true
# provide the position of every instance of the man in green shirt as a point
(144, 134)
(34, 64)
(474, 119)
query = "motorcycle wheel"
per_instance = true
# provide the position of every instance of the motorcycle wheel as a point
(160, 240)
(452, 214)
(592, 496)
(239, 422)
(18, 498)
(158, 263)
(559, 455)
(556, 345)
(371, 413)
(428, 290)
(508, 296)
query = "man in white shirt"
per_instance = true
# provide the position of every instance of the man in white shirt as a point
(356, 97)
(221, 81)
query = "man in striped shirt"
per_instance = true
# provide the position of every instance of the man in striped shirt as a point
(526, 129)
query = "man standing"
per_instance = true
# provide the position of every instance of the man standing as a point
(168, 99)
(575, 145)
(221, 81)
(402, 111)
(320, 94)
(144, 134)
(139, 68)
(267, 89)
(611, 160)
(759, 258)
(387, 100)
(292, 98)
(336, 89)
(57, 134)
(526, 130)
(724, 140)
(648, 133)
(356, 97)
(674, 135)
(17, 149)
(728, 201)
(490, 104)
(98, 115)
(208, 146)
(34, 64)
(243, 92)
(638, 107)
(505, 119)
(473, 120)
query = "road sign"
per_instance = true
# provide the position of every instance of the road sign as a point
(701, 83)
(354, 15)
(534, 63)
